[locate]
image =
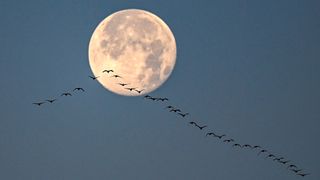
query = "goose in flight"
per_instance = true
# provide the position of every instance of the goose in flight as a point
(256, 147)
(94, 77)
(147, 96)
(221, 136)
(215, 135)
(270, 156)
(278, 159)
(116, 76)
(194, 123)
(66, 94)
(292, 166)
(38, 103)
(237, 145)
(262, 151)
(247, 145)
(169, 107)
(162, 99)
(283, 162)
(302, 174)
(123, 84)
(175, 110)
(296, 170)
(228, 140)
(51, 100)
(201, 127)
(107, 71)
(209, 134)
(130, 89)
(78, 89)
(183, 114)
(139, 91)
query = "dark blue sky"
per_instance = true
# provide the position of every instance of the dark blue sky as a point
(248, 69)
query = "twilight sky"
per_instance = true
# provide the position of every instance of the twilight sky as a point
(247, 69)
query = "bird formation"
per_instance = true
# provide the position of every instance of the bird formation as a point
(228, 140)
(65, 94)
(259, 150)
(107, 71)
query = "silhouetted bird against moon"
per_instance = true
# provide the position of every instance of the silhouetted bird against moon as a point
(116, 76)
(130, 89)
(139, 91)
(107, 71)
(123, 84)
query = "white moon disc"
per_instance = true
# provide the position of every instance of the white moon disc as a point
(138, 46)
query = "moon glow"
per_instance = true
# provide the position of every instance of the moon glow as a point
(135, 44)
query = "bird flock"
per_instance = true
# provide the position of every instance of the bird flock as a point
(223, 138)
(55, 99)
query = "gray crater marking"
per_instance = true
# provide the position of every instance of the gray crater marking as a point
(117, 31)
(154, 62)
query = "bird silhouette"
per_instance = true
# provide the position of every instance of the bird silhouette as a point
(183, 114)
(107, 71)
(94, 77)
(169, 107)
(270, 156)
(147, 96)
(209, 134)
(247, 146)
(130, 89)
(256, 147)
(215, 135)
(152, 98)
(38, 103)
(78, 89)
(139, 91)
(228, 140)
(262, 151)
(296, 170)
(237, 145)
(283, 162)
(51, 100)
(162, 99)
(175, 110)
(195, 124)
(302, 174)
(116, 76)
(292, 166)
(123, 84)
(201, 127)
(278, 159)
(221, 136)
(66, 94)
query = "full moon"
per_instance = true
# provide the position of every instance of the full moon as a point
(137, 46)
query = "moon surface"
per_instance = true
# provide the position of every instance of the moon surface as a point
(138, 46)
